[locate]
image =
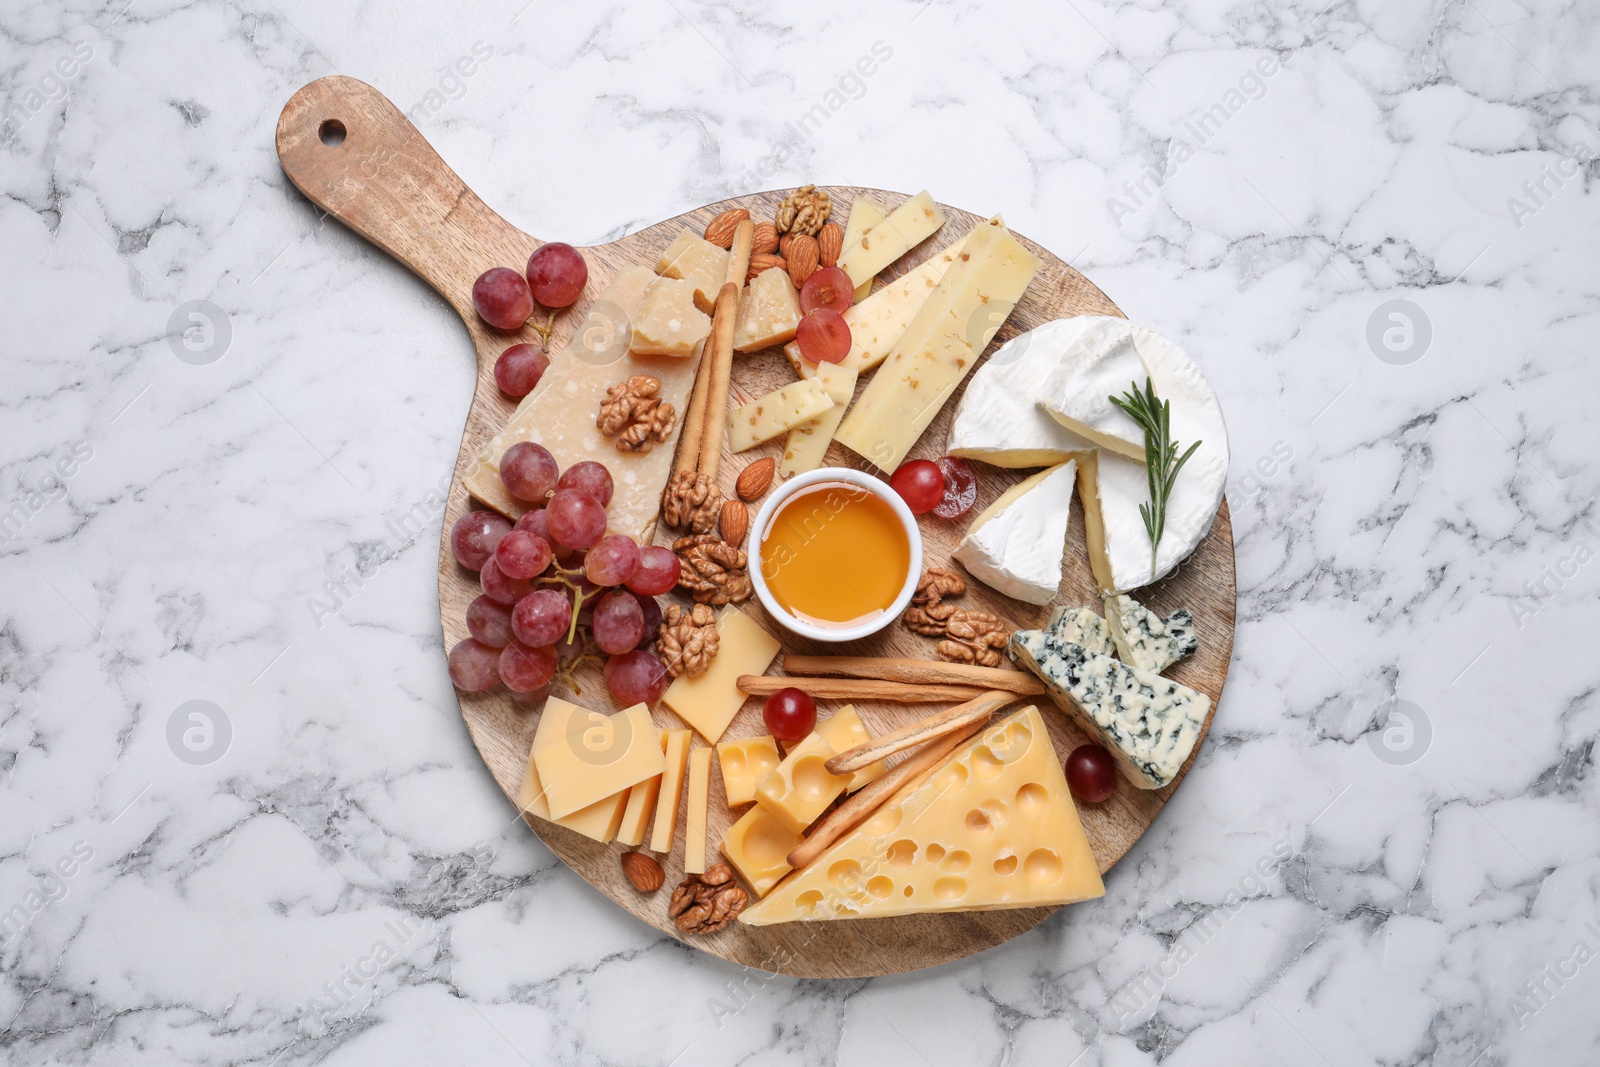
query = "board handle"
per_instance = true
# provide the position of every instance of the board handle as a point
(356, 156)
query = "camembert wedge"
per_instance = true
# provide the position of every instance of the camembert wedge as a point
(1016, 544)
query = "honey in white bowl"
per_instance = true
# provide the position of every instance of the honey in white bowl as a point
(835, 555)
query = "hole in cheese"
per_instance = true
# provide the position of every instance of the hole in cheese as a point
(959, 860)
(1032, 797)
(768, 842)
(809, 900)
(902, 853)
(880, 887)
(811, 779)
(885, 821)
(846, 874)
(950, 888)
(978, 821)
(935, 853)
(1005, 865)
(1043, 866)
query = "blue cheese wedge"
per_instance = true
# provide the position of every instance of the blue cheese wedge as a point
(1080, 626)
(1149, 723)
(1144, 639)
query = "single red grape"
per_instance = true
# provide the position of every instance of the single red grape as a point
(529, 471)
(790, 715)
(537, 523)
(618, 622)
(636, 677)
(543, 617)
(502, 588)
(521, 554)
(525, 669)
(658, 571)
(824, 336)
(489, 622)
(590, 477)
(502, 298)
(612, 560)
(829, 288)
(652, 617)
(557, 274)
(519, 369)
(475, 536)
(1091, 774)
(920, 484)
(960, 488)
(575, 519)
(474, 666)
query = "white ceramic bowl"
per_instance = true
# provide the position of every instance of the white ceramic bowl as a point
(872, 485)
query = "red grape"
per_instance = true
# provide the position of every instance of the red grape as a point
(489, 622)
(502, 298)
(537, 523)
(557, 274)
(824, 336)
(658, 571)
(652, 618)
(1091, 774)
(829, 288)
(502, 588)
(519, 369)
(521, 554)
(529, 471)
(920, 484)
(543, 617)
(575, 519)
(473, 666)
(618, 622)
(525, 669)
(590, 477)
(636, 678)
(475, 535)
(960, 488)
(790, 715)
(612, 560)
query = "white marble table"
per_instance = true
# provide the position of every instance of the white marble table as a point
(335, 879)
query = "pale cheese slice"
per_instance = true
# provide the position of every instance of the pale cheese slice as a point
(669, 323)
(597, 756)
(808, 442)
(1103, 364)
(709, 701)
(863, 213)
(675, 744)
(991, 827)
(882, 243)
(697, 261)
(769, 312)
(844, 730)
(758, 847)
(766, 417)
(1016, 545)
(601, 820)
(698, 812)
(743, 764)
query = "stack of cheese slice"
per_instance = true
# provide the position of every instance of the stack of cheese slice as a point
(1041, 399)
(990, 827)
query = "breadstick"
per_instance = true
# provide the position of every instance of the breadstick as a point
(871, 797)
(764, 685)
(919, 671)
(694, 420)
(739, 259)
(933, 727)
(720, 352)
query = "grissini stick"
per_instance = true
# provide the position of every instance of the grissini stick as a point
(918, 733)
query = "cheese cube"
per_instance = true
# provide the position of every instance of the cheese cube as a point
(709, 701)
(863, 213)
(844, 730)
(694, 836)
(801, 788)
(808, 443)
(881, 244)
(699, 262)
(677, 759)
(637, 816)
(769, 311)
(597, 756)
(668, 322)
(768, 416)
(744, 764)
(758, 847)
(940, 347)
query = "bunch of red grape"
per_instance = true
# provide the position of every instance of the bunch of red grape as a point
(557, 587)
(555, 277)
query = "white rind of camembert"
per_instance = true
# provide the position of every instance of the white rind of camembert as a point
(1016, 545)
(1149, 723)
(1103, 363)
(1146, 640)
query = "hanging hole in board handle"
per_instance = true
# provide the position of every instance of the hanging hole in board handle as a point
(331, 133)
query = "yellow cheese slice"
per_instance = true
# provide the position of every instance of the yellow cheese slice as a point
(863, 213)
(710, 701)
(596, 756)
(807, 445)
(758, 847)
(699, 809)
(766, 417)
(801, 788)
(676, 746)
(744, 764)
(991, 827)
(697, 261)
(600, 820)
(769, 311)
(844, 730)
(641, 807)
(940, 347)
(882, 243)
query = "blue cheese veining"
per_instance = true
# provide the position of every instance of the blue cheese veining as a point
(1146, 640)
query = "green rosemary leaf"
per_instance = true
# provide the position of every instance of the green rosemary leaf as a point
(1162, 461)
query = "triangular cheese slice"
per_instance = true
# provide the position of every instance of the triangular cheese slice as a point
(1146, 640)
(1016, 545)
(1078, 393)
(991, 827)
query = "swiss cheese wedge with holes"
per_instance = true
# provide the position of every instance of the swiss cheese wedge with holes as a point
(991, 827)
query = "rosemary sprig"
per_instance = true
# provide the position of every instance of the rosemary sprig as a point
(1162, 462)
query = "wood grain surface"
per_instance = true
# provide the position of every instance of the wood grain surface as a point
(385, 182)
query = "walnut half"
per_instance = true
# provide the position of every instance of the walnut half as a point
(974, 637)
(927, 614)
(688, 641)
(713, 570)
(705, 903)
(635, 415)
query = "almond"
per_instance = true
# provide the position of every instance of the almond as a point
(765, 240)
(764, 262)
(720, 232)
(783, 244)
(830, 243)
(643, 871)
(804, 257)
(754, 479)
(734, 522)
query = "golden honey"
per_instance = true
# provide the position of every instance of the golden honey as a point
(835, 555)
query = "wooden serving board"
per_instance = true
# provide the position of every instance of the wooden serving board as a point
(384, 181)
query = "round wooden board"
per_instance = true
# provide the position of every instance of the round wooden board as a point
(384, 181)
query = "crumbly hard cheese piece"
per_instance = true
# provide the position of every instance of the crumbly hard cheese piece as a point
(744, 763)
(882, 243)
(758, 847)
(598, 756)
(601, 820)
(668, 322)
(863, 213)
(1083, 627)
(697, 261)
(991, 827)
(808, 443)
(1146, 640)
(766, 417)
(844, 730)
(709, 701)
(801, 788)
(940, 347)
(699, 809)
(1149, 723)
(1015, 546)
(769, 311)
(676, 746)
